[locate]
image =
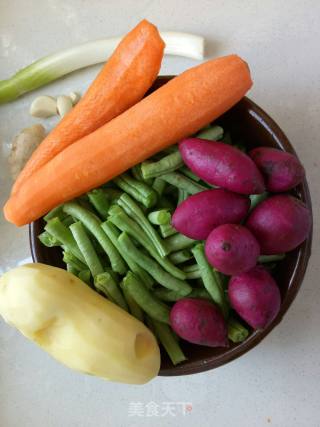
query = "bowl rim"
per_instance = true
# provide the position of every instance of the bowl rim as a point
(297, 276)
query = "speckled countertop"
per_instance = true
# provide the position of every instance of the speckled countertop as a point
(276, 384)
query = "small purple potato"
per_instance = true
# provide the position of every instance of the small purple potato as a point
(282, 171)
(222, 165)
(255, 296)
(199, 321)
(232, 249)
(280, 224)
(199, 214)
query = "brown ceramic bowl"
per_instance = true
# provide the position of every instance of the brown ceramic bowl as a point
(249, 123)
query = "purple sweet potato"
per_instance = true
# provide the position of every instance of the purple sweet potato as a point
(199, 214)
(280, 224)
(222, 165)
(282, 171)
(199, 321)
(232, 249)
(255, 296)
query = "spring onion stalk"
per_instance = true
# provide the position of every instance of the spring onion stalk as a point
(56, 65)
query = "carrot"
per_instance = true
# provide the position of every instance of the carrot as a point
(178, 109)
(122, 82)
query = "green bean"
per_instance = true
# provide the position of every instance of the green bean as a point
(271, 258)
(187, 172)
(48, 240)
(210, 279)
(172, 296)
(67, 221)
(171, 149)
(200, 293)
(160, 217)
(236, 331)
(114, 210)
(136, 172)
(165, 203)
(113, 234)
(240, 147)
(227, 138)
(212, 133)
(134, 308)
(86, 248)
(159, 185)
(126, 224)
(180, 256)
(55, 227)
(70, 259)
(182, 196)
(178, 241)
(161, 276)
(192, 271)
(150, 326)
(71, 269)
(134, 211)
(85, 276)
(147, 301)
(106, 284)
(167, 230)
(189, 268)
(257, 198)
(113, 194)
(183, 183)
(169, 342)
(55, 213)
(167, 164)
(85, 204)
(91, 222)
(192, 275)
(100, 202)
(140, 191)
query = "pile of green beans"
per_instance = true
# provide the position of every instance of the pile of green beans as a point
(119, 240)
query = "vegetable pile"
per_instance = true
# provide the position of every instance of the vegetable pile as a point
(182, 237)
(161, 240)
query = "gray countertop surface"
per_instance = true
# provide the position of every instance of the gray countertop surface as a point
(275, 384)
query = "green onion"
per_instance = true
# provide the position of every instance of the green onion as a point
(56, 65)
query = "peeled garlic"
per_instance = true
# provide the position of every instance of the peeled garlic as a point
(44, 106)
(75, 97)
(64, 105)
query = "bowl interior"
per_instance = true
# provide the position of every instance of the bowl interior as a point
(249, 124)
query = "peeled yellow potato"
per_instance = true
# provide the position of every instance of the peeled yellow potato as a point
(77, 326)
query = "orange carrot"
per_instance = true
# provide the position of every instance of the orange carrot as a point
(122, 82)
(178, 109)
